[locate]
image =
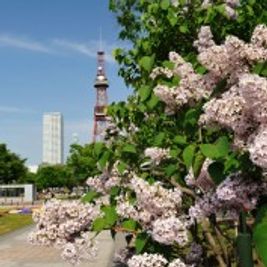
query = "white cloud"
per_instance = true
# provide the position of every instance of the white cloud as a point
(8, 109)
(57, 46)
(23, 43)
(89, 49)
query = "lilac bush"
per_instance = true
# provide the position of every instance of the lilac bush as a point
(207, 160)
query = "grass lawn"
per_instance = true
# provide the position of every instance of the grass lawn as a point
(11, 222)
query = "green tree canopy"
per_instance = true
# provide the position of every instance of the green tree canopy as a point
(82, 160)
(53, 176)
(12, 167)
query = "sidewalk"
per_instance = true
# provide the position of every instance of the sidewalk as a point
(16, 252)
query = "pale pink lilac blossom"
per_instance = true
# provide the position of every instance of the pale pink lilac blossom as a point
(147, 260)
(229, 5)
(258, 148)
(170, 230)
(152, 202)
(235, 193)
(157, 154)
(178, 263)
(192, 86)
(66, 225)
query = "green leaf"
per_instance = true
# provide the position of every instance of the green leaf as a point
(153, 101)
(144, 92)
(115, 190)
(258, 68)
(122, 167)
(99, 224)
(183, 2)
(159, 139)
(188, 155)
(172, 17)
(220, 9)
(174, 153)
(216, 171)
(176, 80)
(147, 62)
(191, 117)
(264, 71)
(252, 2)
(104, 159)
(91, 195)
(140, 242)
(164, 4)
(98, 147)
(260, 234)
(201, 70)
(170, 169)
(111, 215)
(198, 162)
(231, 163)
(209, 150)
(220, 149)
(129, 225)
(168, 64)
(129, 148)
(261, 214)
(180, 140)
(183, 28)
(222, 146)
(250, 10)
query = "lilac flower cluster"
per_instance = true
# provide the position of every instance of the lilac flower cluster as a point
(157, 209)
(66, 225)
(157, 154)
(234, 194)
(104, 182)
(230, 6)
(195, 254)
(156, 199)
(242, 108)
(205, 39)
(152, 202)
(147, 260)
(170, 230)
(154, 260)
(178, 263)
(192, 86)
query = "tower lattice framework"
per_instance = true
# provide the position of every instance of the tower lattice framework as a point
(101, 85)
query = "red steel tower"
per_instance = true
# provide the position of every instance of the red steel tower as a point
(101, 85)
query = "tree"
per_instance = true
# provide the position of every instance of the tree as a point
(82, 160)
(12, 167)
(54, 176)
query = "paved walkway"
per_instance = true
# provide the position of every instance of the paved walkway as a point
(16, 252)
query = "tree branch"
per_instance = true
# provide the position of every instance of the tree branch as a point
(216, 249)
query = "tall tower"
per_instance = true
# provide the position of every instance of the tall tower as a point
(101, 85)
(53, 138)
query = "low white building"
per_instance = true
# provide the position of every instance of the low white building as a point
(17, 193)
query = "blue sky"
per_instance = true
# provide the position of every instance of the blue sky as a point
(48, 63)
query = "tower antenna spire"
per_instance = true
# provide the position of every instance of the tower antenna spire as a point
(100, 39)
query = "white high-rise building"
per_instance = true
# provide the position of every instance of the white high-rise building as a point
(53, 139)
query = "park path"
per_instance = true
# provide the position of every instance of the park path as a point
(16, 252)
